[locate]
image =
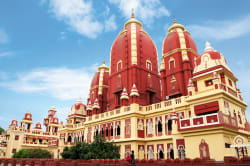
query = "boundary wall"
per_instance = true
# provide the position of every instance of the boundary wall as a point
(245, 161)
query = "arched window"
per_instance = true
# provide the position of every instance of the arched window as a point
(82, 138)
(107, 131)
(118, 98)
(119, 65)
(118, 130)
(222, 77)
(102, 132)
(96, 131)
(111, 132)
(169, 125)
(171, 64)
(161, 154)
(69, 139)
(171, 153)
(181, 152)
(239, 117)
(159, 126)
(148, 65)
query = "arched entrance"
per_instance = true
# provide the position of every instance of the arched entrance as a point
(240, 145)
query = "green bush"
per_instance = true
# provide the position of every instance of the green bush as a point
(32, 153)
(99, 149)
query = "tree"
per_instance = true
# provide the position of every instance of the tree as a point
(1, 130)
(99, 149)
(32, 153)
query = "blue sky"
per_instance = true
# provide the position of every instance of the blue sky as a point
(50, 49)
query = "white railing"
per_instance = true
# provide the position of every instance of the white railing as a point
(199, 121)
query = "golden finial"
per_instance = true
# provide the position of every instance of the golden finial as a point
(103, 62)
(175, 22)
(132, 14)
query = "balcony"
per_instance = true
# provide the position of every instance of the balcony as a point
(215, 119)
(230, 91)
(164, 105)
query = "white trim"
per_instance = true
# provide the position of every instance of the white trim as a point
(117, 67)
(242, 145)
(148, 61)
(171, 60)
(209, 72)
(204, 117)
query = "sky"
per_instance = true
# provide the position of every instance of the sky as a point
(50, 49)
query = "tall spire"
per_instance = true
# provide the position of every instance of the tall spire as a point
(208, 47)
(133, 13)
(79, 100)
(175, 21)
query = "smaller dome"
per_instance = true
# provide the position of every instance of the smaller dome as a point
(78, 108)
(210, 59)
(52, 111)
(178, 38)
(46, 121)
(53, 108)
(27, 116)
(78, 105)
(14, 123)
(55, 120)
(99, 83)
(38, 125)
(124, 94)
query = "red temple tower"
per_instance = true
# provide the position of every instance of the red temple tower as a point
(98, 93)
(133, 61)
(177, 64)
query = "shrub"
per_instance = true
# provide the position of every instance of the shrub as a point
(32, 153)
(99, 149)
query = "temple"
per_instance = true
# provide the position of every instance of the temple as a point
(188, 107)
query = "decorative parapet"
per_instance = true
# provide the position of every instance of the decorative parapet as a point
(215, 119)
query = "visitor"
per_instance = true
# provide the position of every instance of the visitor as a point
(128, 159)
(132, 159)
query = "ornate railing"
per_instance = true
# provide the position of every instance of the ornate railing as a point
(208, 120)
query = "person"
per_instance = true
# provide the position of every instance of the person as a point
(132, 156)
(128, 159)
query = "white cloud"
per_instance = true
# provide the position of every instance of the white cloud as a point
(107, 11)
(110, 24)
(3, 37)
(79, 15)
(146, 10)
(3, 75)
(61, 83)
(221, 30)
(7, 53)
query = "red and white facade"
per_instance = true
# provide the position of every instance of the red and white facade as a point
(177, 112)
